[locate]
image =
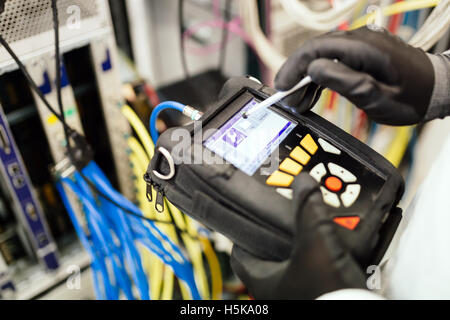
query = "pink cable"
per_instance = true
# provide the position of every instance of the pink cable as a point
(216, 9)
(233, 27)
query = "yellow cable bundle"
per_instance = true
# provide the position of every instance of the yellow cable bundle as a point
(396, 8)
(213, 262)
(156, 267)
(140, 129)
(150, 262)
(399, 144)
(193, 247)
(164, 216)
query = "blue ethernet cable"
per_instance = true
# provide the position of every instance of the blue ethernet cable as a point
(95, 268)
(188, 111)
(94, 172)
(131, 255)
(98, 236)
(98, 239)
(102, 227)
(185, 271)
(181, 267)
(103, 218)
(160, 107)
(109, 225)
(111, 290)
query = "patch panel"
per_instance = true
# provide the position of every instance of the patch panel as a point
(104, 56)
(42, 70)
(27, 206)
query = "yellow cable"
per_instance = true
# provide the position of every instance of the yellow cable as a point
(216, 274)
(140, 129)
(399, 144)
(358, 11)
(137, 149)
(194, 248)
(143, 161)
(396, 8)
(153, 265)
(167, 292)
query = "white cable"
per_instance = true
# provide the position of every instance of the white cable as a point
(435, 26)
(431, 31)
(324, 20)
(324, 16)
(266, 51)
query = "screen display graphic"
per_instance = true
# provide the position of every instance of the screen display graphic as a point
(247, 143)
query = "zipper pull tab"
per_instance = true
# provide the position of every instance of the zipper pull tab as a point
(159, 203)
(148, 191)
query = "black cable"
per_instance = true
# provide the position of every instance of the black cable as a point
(58, 73)
(223, 42)
(182, 44)
(33, 84)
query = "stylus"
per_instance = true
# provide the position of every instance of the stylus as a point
(280, 95)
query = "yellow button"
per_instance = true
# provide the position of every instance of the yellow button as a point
(290, 166)
(300, 155)
(309, 144)
(280, 179)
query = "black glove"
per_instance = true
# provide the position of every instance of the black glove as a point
(387, 78)
(318, 264)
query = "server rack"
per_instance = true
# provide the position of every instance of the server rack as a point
(85, 26)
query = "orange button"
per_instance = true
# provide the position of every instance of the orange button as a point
(333, 184)
(347, 222)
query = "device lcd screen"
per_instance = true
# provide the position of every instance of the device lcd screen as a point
(247, 143)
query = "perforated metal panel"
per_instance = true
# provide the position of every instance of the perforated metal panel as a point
(26, 18)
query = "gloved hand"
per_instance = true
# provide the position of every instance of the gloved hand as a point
(387, 78)
(318, 264)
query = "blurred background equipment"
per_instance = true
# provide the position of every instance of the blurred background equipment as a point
(118, 60)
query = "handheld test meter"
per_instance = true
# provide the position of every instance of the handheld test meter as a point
(235, 172)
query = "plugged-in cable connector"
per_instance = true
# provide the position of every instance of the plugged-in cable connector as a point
(80, 152)
(192, 113)
(189, 111)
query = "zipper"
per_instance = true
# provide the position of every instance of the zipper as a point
(159, 201)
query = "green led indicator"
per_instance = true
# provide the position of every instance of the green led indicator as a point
(69, 112)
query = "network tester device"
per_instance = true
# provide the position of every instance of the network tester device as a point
(360, 186)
